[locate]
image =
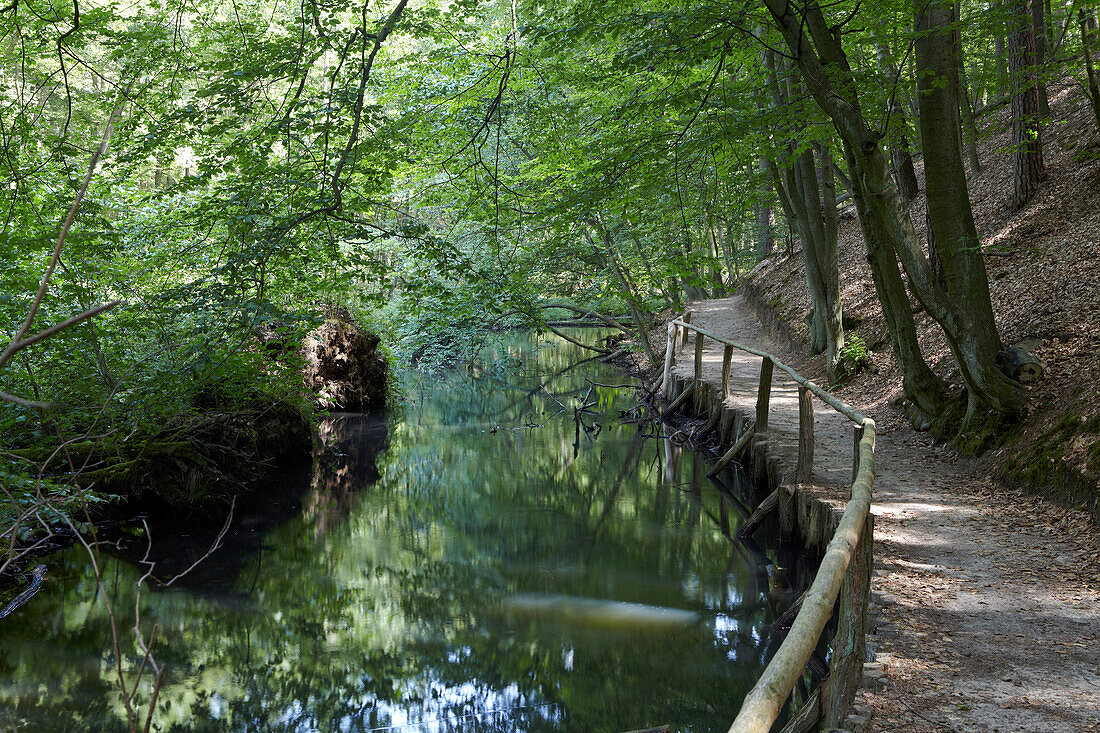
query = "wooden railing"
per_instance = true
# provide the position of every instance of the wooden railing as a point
(844, 569)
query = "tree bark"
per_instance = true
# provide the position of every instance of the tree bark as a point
(1039, 32)
(763, 213)
(1027, 132)
(966, 109)
(883, 214)
(1090, 42)
(957, 249)
(901, 159)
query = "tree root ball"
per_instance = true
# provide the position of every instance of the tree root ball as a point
(344, 369)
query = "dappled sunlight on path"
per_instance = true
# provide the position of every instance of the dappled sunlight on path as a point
(986, 613)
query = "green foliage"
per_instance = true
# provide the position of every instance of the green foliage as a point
(855, 353)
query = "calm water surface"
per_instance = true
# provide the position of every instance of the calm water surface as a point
(477, 562)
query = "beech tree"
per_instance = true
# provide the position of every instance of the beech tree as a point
(889, 232)
(1090, 45)
(1027, 130)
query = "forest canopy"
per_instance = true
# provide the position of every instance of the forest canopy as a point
(231, 169)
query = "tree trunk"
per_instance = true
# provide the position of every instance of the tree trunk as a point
(1090, 41)
(816, 221)
(829, 265)
(923, 388)
(883, 214)
(901, 159)
(951, 220)
(937, 93)
(1039, 32)
(1027, 132)
(763, 213)
(813, 231)
(966, 109)
(1000, 69)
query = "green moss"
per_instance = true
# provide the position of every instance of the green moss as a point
(1041, 466)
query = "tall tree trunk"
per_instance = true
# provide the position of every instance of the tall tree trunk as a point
(1002, 85)
(816, 221)
(901, 159)
(1027, 131)
(1090, 42)
(957, 250)
(763, 212)
(883, 214)
(966, 109)
(829, 264)
(1039, 31)
(813, 232)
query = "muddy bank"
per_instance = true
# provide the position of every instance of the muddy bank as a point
(234, 437)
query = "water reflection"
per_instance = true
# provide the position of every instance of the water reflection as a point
(500, 566)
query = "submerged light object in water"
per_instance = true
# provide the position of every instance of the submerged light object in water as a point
(597, 612)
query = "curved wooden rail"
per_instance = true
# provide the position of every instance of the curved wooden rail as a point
(763, 703)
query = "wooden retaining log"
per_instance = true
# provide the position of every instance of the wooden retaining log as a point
(681, 399)
(849, 644)
(725, 425)
(727, 358)
(732, 453)
(699, 391)
(712, 422)
(805, 466)
(763, 396)
(769, 505)
(807, 717)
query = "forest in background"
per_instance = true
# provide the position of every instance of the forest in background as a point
(183, 185)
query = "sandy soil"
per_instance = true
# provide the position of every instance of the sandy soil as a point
(986, 601)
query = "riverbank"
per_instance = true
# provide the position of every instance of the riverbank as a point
(985, 606)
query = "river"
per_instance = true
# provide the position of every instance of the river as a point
(483, 559)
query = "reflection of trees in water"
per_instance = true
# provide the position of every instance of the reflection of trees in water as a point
(395, 615)
(344, 464)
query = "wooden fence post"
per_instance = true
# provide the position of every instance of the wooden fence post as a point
(805, 465)
(763, 395)
(849, 641)
(727, 357)
(855, 451)
(698, 373)
(669, 349)
(684, 332)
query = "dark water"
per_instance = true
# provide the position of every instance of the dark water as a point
(463, 566)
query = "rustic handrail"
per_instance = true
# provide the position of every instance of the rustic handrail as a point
(763, 703)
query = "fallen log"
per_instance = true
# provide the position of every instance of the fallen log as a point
(1019, 365)
(732, 452)
(676, 403)
(785, 619)
(761, 513)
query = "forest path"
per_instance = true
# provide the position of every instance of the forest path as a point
(984, 613)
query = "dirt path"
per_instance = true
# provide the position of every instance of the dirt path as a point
(986, 611)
